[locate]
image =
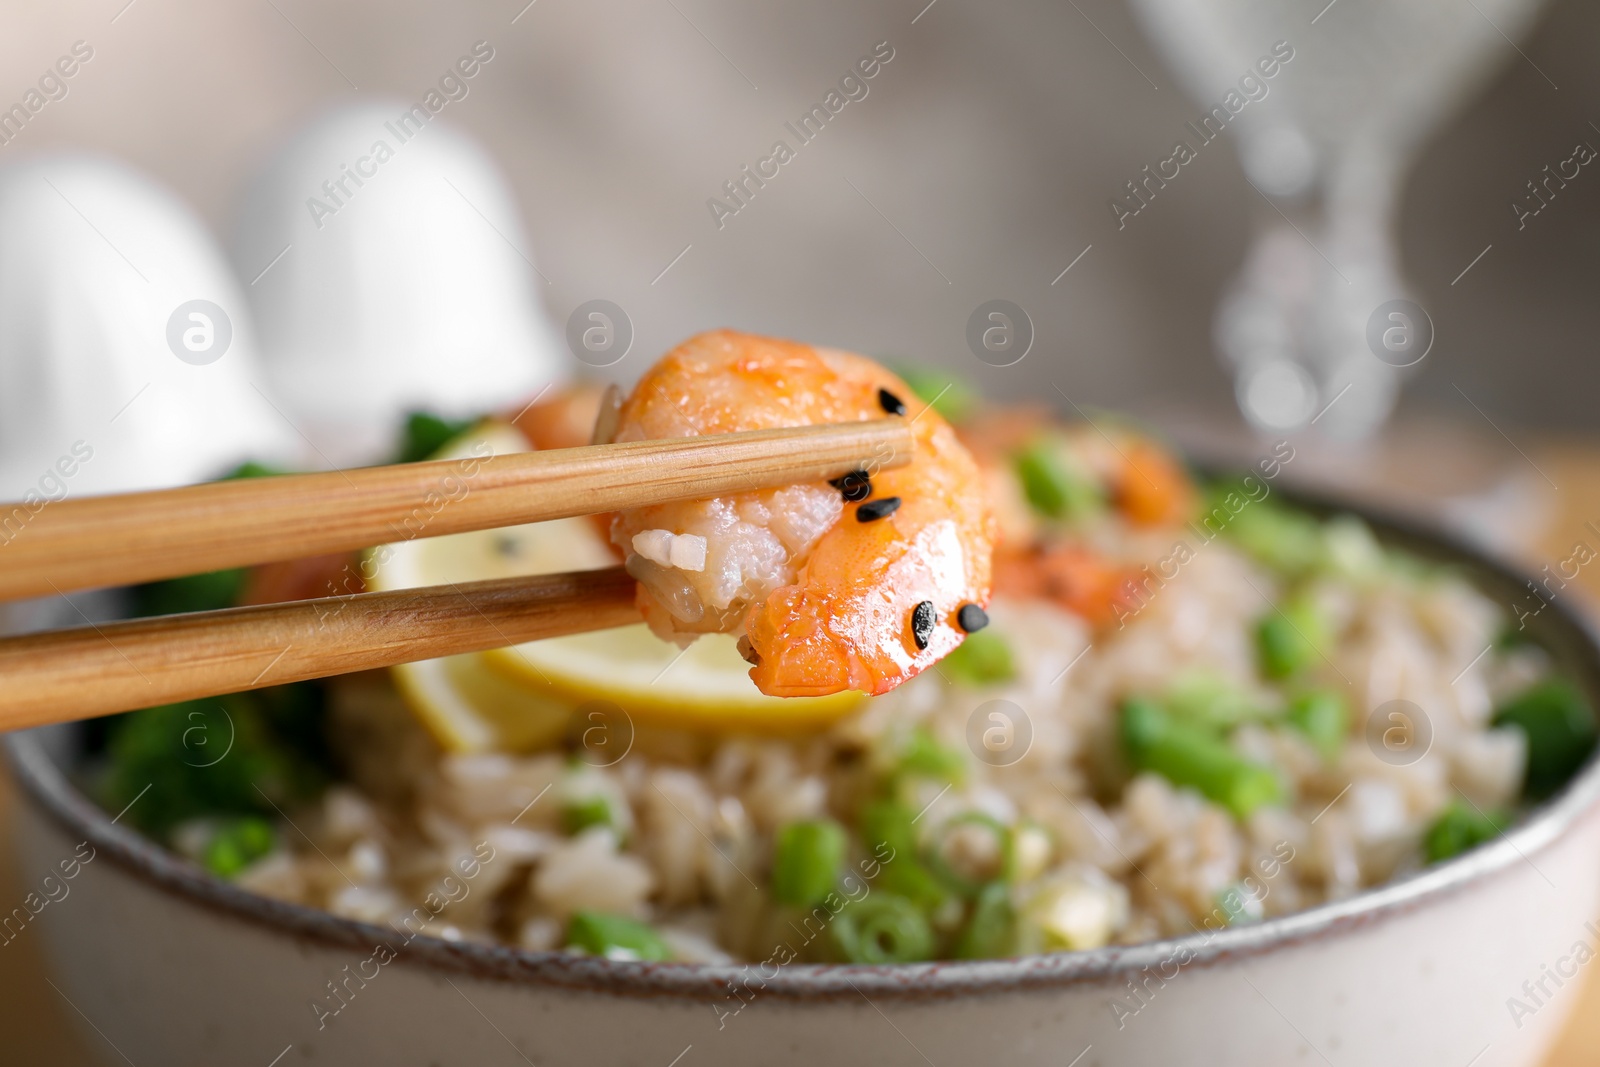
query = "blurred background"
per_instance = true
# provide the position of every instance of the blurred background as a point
(979, 166)
(983, 163)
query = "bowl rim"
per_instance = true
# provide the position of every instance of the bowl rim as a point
(48, 788)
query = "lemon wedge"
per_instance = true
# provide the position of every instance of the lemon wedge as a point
(524, 697)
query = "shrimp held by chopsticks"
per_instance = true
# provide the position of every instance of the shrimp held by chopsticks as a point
(858, 584)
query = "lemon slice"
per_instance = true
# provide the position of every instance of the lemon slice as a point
(464, 704)
(468, 707)
(523, 697)
(534, 548)
(704, 686)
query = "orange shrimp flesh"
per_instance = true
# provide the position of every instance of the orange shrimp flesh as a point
(832, 588)
(1152, 488)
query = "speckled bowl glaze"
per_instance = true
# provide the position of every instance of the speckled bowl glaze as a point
(1474, 961)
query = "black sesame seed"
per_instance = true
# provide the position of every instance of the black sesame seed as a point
(873, 510)
(890, 403)
(855, 486)
(922, 623)
(971, 618)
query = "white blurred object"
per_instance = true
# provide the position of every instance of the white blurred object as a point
(389, 272)
(1331, 134)
(1276, 394)
(95, 260)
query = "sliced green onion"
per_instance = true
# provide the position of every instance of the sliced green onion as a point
(886, 825)
(1186, 755)
(1324, 717)
(1004, 846)
(616, 937)
(1053, 487)
(1560, 729)
(984, 658)
(1143, 724)
(1352, 550)
(806, 860)
(1289, 639)
(580, 813)
(883, 928)
(237, 844)
(991, 929)
(924, 756)
(1284, 539)
(1210, 700)
(1460, 829)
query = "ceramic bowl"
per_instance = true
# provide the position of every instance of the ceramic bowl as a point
(1475, 961)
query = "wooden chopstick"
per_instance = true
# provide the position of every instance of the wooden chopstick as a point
(79, 673)
(139, 537)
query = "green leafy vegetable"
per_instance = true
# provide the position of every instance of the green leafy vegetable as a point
(199, 592)
(232, 755)
(251, 469)
(1461, 828)
(806, 860)
(1190, 756)
(1560, 729)
(192, 592)
(1510, 636)
(616, 937)
(425, 434)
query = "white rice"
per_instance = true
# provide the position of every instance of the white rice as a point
(1108, 859)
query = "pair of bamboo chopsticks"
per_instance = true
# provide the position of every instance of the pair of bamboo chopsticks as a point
(69, 545)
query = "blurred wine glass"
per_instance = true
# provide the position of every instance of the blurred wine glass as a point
(1312, 318)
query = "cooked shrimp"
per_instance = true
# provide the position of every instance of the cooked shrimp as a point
(1074, 576)
(1152, 488)
(856, 586)
(563, 420)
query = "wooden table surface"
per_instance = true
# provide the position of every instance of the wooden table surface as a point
(38, 1027)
